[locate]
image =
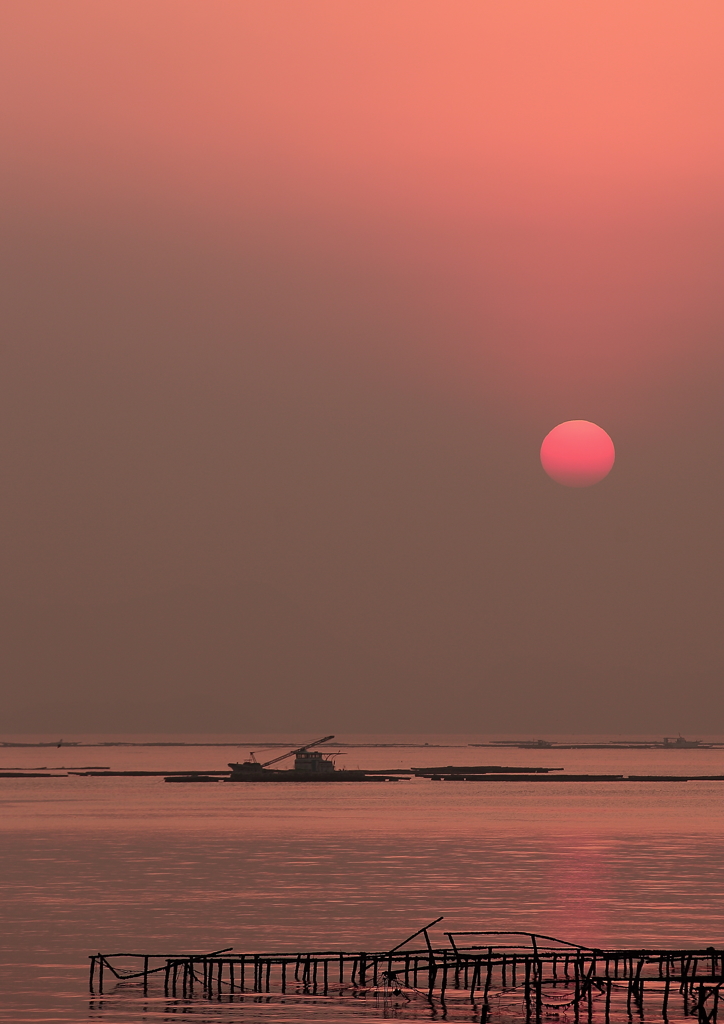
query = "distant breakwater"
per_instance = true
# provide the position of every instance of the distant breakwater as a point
(482, 774)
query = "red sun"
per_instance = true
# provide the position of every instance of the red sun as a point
(577, 453)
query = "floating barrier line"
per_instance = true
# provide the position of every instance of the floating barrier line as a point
(548, 973)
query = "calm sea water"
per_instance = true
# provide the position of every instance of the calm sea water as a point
(135, 864)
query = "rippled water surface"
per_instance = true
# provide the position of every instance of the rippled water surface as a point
(135, 864)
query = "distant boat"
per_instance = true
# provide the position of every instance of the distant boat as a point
(309, 766)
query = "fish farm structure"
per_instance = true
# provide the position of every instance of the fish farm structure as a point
(492, 974)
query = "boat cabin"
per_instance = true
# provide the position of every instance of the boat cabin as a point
(312, 761)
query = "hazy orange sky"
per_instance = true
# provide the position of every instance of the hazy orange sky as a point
(293, 291)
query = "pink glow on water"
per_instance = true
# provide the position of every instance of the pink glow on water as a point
(89, 863)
